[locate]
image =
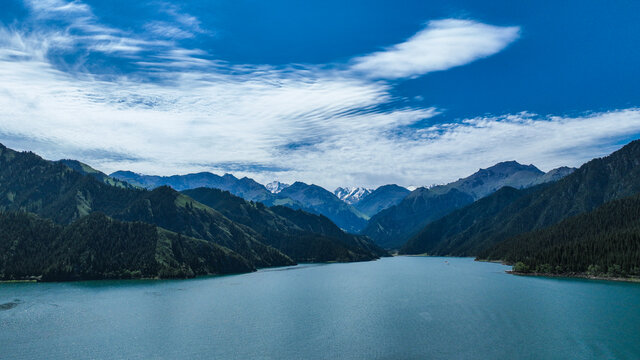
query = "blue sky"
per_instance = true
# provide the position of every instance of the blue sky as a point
(334, 93)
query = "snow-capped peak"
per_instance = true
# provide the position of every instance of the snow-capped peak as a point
(352, 195)
(276, 186)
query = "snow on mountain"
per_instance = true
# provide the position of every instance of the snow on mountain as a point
(276, 186)
(352, 195)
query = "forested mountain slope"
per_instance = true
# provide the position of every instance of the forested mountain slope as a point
(593, 184)
(304, 236)
(53, 190)
(605, 240)
(97, 247)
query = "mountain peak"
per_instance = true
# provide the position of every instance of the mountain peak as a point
(485, 181)
(319, 200)
(352, 195)
(276, 186)
(512, 166)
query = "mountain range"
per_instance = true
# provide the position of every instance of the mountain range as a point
(346, 207)
(318, 200)
(561, 224)
(64, 220)
(392, 227)
(295, 232)
(389, 214)
(245, 187)
(65, 196)
(311, 198)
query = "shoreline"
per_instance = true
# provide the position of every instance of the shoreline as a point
(18, 281)
(493, 261)
(38, 280)
(567, 276)
(577, 276)
(434, 256)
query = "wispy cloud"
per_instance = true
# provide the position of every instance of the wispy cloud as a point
(168, 30)
(56, 8)
(331, 124)
(181, 25)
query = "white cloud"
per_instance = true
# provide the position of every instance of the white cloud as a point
(443, 44)
(448, 151)
(54, 8)
(314, 123)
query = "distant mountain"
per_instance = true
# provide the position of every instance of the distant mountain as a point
(352, 195)
(390, 228)
(276, 186)
(508, 173)
(322, 225)
(320, 201)
(245, 188)
(394, 226)
(310, 198)
(97, 247)
(381, 198)
(303, 236)
(480, 226)
(602, 242)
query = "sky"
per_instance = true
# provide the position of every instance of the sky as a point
(335, 93)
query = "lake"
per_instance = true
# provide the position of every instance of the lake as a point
(394, 308)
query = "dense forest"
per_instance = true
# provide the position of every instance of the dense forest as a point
(304, 236)
(603, 242)
(53, 190)
(98, 247)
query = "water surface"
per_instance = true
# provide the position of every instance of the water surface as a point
(397, 308)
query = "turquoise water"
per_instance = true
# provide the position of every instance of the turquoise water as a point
(397, 308)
